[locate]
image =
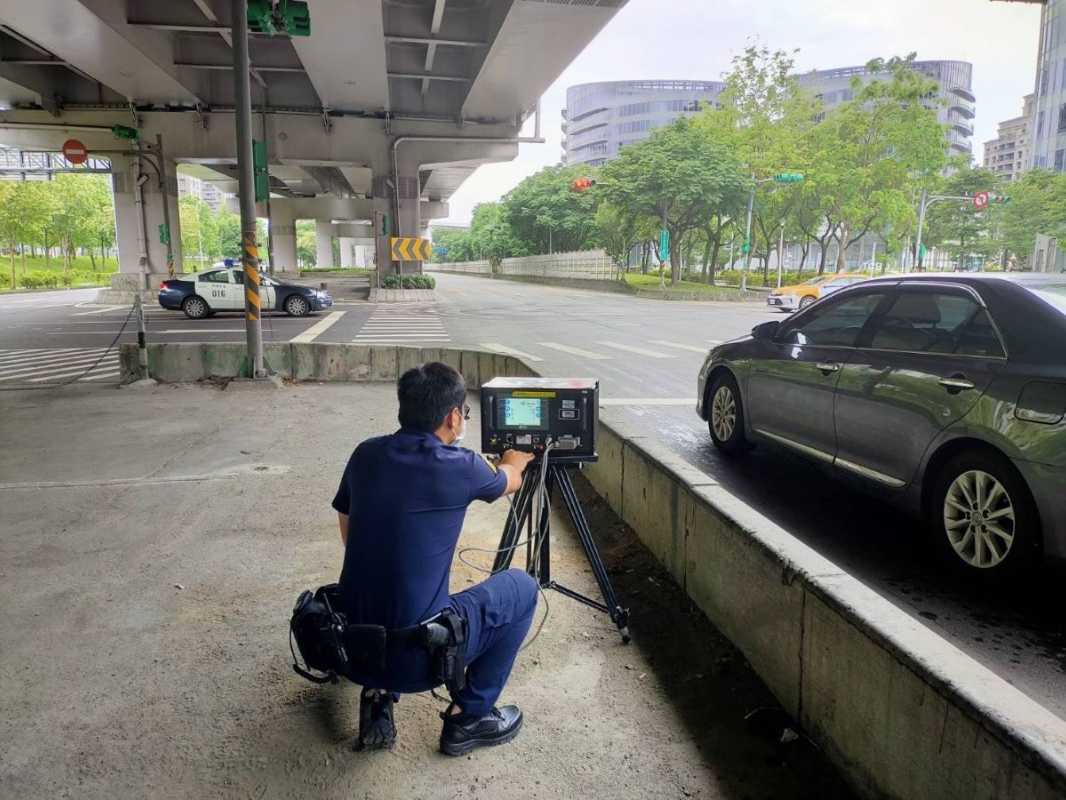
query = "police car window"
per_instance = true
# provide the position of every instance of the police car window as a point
(834, 324)
(238, 276)
(218, 276)
(936, 322)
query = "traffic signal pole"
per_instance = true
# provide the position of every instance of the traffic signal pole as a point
(246, 183)
(747, 237)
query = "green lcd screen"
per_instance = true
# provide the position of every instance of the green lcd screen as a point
(523, 412)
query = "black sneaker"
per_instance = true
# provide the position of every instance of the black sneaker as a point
(377, 730)
(465, 732)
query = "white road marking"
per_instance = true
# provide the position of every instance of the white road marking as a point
(509, 351)
(648, 401)
(678, 346)
(640, 351)
(45, 364)
(575, 351)
(99, 377)
(107, 363)
(39, 354)
(205, 331)
(318, 328)
(104, 310)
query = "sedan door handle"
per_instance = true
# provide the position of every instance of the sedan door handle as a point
(956, 384)
(827, 367)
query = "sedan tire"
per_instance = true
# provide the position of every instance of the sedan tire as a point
(196, 307)
(805, 301)
(983, 516)
(297, 306)
(725, 415)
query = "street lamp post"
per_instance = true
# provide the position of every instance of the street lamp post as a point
(781, 177)
(780, 253)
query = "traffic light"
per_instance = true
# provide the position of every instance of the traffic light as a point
(788, 177)
(291, 16)
(1000, 198)
(582, 184)
(261, 17)
(295, 17)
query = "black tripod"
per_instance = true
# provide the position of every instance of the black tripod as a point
(539, 566)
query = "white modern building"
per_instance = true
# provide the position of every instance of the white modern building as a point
(1048, 142)
(601, 118)
(1008, 154)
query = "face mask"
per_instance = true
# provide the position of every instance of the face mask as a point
(459, 436)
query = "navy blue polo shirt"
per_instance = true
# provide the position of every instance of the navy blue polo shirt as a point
(406, 497)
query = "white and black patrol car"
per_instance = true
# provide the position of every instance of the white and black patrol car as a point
(202, 294)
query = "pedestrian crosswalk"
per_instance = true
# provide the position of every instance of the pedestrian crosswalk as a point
(40, 365)
(416, 323)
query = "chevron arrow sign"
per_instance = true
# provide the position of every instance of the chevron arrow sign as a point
(410, 248)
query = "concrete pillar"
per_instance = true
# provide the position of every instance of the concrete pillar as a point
(409, 222)
(346, 251)
(323, 243)
(128, 230)
(283, 229)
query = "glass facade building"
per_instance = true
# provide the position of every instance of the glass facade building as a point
(601, 118)
(1048, 126)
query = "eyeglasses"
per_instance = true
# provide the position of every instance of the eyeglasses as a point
(465, 412)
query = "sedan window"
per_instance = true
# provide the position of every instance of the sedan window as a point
(218, 276)
(834, 324)
(936, 322)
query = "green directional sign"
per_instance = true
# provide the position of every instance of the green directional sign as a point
(664, 245)
(745, 248)
(164, 234)
(788, 177)
(259, 170)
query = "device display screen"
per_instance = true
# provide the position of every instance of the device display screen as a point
(523, 412)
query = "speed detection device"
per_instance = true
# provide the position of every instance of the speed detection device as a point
(537, 415)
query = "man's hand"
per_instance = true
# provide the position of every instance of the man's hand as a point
(512, 464)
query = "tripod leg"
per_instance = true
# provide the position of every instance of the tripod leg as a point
(543, 575)
(619, 615)
(512, 529)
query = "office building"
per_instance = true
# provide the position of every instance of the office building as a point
(1008, 154)
(601, 118)
(1047, 148)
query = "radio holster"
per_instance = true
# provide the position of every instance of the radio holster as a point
(445, 639)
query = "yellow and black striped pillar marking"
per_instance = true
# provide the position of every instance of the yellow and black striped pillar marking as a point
(250, 260)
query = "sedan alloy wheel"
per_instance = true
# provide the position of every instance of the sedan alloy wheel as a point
(979, 519)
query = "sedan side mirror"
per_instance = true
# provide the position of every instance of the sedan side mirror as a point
(765, 330)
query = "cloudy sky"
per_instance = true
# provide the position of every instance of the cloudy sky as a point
(696, 39)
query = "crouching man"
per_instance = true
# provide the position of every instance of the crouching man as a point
(401, 505)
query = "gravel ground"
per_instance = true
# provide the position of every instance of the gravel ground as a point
(152, 543)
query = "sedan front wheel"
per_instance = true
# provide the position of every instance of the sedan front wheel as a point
(725, 415)
(297, 306)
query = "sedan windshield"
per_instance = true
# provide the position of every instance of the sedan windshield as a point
(1053, 294)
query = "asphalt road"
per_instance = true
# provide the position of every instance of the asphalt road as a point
(646, 354)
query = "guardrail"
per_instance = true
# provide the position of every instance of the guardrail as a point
(581, 265)
(901, 711)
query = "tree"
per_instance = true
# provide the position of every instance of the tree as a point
(871, 152)
(22, 206)
(679, 176)
(491, 236)
(957, 226)
(450, 245)
(306, 243)
(547, 215)
(1037, 205)
(619, 232)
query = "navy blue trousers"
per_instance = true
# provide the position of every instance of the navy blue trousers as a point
(498, 612)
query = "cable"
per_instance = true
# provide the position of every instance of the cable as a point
(80, 375)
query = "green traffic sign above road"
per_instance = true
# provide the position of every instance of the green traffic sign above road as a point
(788, 177)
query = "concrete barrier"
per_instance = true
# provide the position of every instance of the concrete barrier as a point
(901, 711)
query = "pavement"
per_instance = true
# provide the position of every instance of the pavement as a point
(154, 540)
(646, 354)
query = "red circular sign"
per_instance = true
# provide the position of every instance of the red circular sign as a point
(75, 151)
(980, 200)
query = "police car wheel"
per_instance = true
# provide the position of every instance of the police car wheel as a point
(195, 307)
(297, 306)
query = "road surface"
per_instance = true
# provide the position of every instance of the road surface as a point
(646, 354)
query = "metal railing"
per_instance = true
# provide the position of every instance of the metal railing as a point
(583, 265)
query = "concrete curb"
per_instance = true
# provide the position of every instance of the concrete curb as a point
(901, 711)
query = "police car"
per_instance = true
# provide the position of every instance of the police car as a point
(202, 294)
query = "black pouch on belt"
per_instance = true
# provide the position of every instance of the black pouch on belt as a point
(445, 638)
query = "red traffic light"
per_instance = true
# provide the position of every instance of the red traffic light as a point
(581, 184)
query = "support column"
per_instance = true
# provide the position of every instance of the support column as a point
(323, 243)
(147, 256)
(283, 229)
(409, 216)
(346, 251)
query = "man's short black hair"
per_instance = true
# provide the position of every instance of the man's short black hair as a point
(428, 394)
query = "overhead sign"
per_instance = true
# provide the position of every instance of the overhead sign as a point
(410, 248)
(980, 200)
(75, 152)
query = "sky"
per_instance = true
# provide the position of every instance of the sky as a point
(697, 39)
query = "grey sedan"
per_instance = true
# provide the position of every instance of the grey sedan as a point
(946, 393)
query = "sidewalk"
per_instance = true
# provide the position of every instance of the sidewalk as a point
(153, 542)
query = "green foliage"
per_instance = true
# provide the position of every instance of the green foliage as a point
(450, 246)
(491, 237)
(546, 215)
(619, 231)
(956, 225)
(409, 282)
(1037, 205)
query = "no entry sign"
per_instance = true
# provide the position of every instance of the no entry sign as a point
(980, 200)
(75, 152)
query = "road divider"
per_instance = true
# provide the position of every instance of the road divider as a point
(901, 711)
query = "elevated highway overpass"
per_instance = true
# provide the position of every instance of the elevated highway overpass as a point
(385, 109)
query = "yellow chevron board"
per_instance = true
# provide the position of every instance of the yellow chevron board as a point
(410, 248)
